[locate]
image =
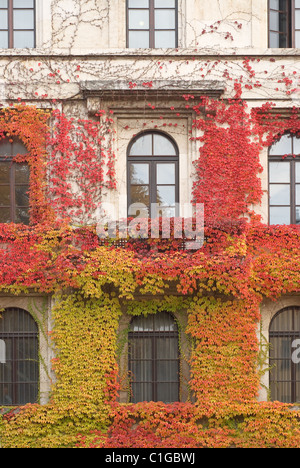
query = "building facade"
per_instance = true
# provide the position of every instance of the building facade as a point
(128, 91)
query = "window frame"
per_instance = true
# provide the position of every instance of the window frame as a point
(291, 25)
(292, 162)
(152, 160)
(152, 28)
(10, 23)
(154, 335)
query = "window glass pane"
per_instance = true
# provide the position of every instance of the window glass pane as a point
(142, 146)
(23, 39)
(274, 4)
(4, 195)
(167, 371)
(297, 194)
(139, 194)
(166, 195)
(138, 19)
(142, 324)
(5, 148)
(166, 212)
(297, 19)
(5, 215)
(23, 19)
(141, 392)
(139, 39)
(18, 148)
(280, 215)
(274, 20)
(297, 214)
(165, 173)
(296, 145)
(163, 146)
(4, 172)
(279, 171)
(138, 3)
(3, 3)
(297, 319)
(22, 174)
(283, 321)
(22, 216)
(164, 19)
(165, 39)
(139, 174)
(23, 3)
(297, 3)
(282, 147)
(280, 194)
(167, 392)
(167, 348)
(164, 322)
(274, 40)
(140, 348)
(22, 197)
(3, 40)
(297, 39)
(164, 3)
(3, 19)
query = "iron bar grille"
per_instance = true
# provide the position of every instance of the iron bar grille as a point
(19, 363)
(154, 359)
(285, 372)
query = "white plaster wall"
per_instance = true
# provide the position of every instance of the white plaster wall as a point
(101, 24)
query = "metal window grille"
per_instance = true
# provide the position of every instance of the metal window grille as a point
(285, 371)
(154, 359)
(19, 363)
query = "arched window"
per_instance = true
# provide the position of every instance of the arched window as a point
(14, 184)
(153, 176)
(19, 367)
(284, 181)
(154, 358)
(284, 356)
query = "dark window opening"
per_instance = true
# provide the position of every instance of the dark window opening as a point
(154, 358)
(284, 357)
(19, 363)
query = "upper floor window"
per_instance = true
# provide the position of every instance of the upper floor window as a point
(152, 23)
(19, 361)
(284, 181)
(284, 23)
(154, 358)
(284, 356)
(14, 184)
(17, 24)
(153, 174)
